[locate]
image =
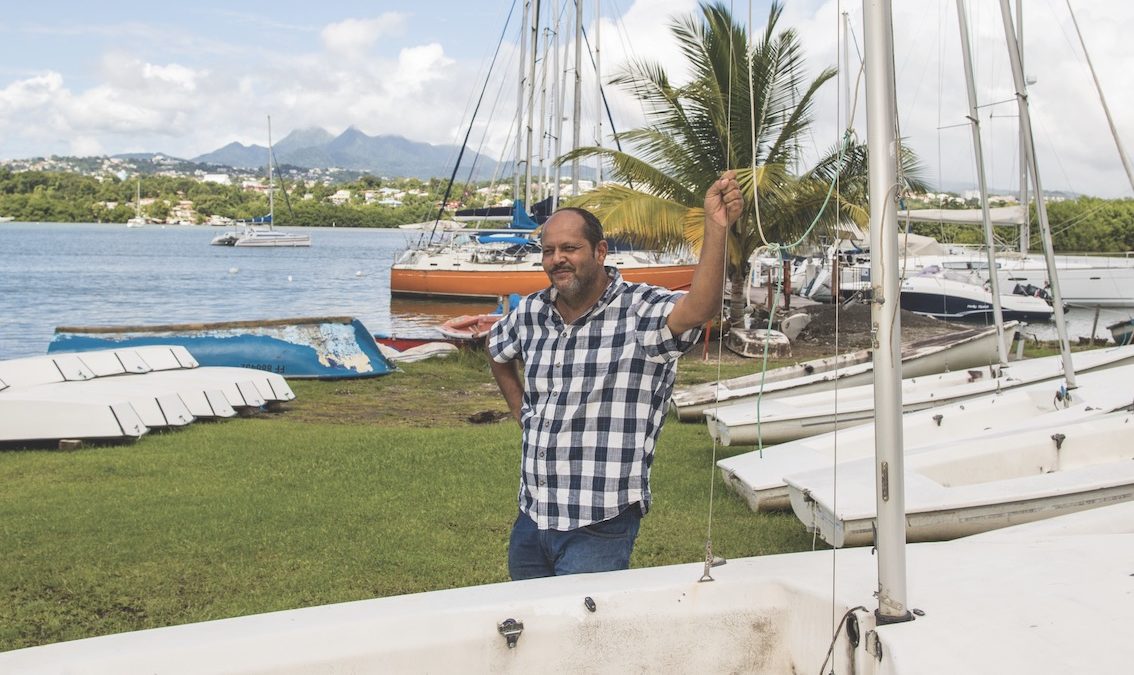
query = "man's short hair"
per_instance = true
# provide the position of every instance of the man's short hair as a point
(592, 228)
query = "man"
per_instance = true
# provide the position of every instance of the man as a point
(599, 365)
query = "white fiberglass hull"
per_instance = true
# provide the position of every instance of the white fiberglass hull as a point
(758, 476)
(949, 299)
(255, 238)
(35, 420)
(772, 614)
(795, 417)
(966, 349)
(989, 482)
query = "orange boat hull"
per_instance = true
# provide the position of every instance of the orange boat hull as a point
(476, 284)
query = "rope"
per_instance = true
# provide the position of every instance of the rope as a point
(707, 575)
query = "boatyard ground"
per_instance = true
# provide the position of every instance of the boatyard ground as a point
(356, 490)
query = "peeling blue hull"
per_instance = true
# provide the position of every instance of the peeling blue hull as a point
(325, 349)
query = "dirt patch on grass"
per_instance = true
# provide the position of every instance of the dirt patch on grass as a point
(446, 393)
(849, 328)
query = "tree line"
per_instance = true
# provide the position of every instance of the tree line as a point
(63, 197)
(1081, 225)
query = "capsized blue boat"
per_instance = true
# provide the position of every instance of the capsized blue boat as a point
(324, 348)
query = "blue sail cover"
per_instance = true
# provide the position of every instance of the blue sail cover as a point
(503, 239)
(520, 218)
(262, 220)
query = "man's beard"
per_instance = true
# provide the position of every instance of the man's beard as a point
(573, 288)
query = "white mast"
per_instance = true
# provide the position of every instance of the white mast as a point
(271, 186)
(520, 102)
(1041, 207)
(598, 91)
(1026, 226)
(557, 108)
(847, 70)
(543, 131)
(577, 102)
(881, 114)
(534, 27)
(982, 184)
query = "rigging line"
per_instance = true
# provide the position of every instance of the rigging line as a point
(480, 73)
(605, 104)
(706, 574)
(627, 46)
(480, 99)
(840, 40)
(484, 136)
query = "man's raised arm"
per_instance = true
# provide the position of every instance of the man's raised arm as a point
(723, 205)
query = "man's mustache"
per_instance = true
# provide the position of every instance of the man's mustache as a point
(562, 268)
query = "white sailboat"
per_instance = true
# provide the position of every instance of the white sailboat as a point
(138, 220)
(260, 233)
(793, 417)
(987, 482)
(955, 351)
(760, 476)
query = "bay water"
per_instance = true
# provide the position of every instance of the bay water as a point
(86, 274)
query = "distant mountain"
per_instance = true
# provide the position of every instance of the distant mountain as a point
(303, 138)
(356, 151)
(237, 155)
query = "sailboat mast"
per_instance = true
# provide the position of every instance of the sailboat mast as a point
(557, 110)
(1041, 207)
(534, 27)
(982, 184)
(1026, 226)
(598, 92)
(577, 98)
(271, 186)
(522, 84)
(881, 113)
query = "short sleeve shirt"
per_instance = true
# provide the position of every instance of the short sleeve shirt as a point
(595, 396)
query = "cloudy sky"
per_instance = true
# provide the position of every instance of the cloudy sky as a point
(186, 78)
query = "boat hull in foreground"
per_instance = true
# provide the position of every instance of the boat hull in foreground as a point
(770, 614)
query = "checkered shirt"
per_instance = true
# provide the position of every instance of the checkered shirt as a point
(595, 397)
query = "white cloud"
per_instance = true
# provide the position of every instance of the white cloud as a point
(371, 73)
(355, 37)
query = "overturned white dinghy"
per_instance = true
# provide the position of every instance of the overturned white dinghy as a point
(120, 394)
(758, 476)
(794, 417)
(33, 421)
(987, 482)
(176, 361)
(954, 351)
(157, 408)
(772, 614)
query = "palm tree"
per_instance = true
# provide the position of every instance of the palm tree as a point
(746, 108)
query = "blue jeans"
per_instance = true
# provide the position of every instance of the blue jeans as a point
(599, 547)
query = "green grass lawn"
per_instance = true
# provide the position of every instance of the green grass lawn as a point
(359, 489)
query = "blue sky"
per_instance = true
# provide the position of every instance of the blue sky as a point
(185, 78)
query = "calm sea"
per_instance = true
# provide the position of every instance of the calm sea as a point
(87, 274)
(101, 274)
